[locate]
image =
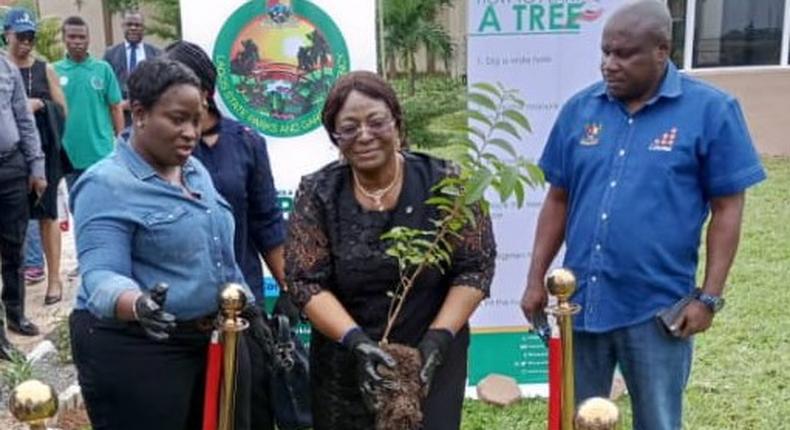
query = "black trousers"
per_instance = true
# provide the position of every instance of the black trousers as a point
(14, 188)
(131, 382)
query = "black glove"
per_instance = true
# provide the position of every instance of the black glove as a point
(433, 350)
(149, 310)
(541, 327)
(369, 356)
(285, 306)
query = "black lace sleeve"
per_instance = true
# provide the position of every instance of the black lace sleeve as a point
(307, 258)
(474, 254)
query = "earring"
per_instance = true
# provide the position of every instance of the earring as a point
(140, 124)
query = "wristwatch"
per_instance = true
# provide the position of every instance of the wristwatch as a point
(714, 303)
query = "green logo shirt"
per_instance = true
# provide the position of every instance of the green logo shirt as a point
(90, 88)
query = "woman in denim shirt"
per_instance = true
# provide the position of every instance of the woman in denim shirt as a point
(238, 163)
(145, 215)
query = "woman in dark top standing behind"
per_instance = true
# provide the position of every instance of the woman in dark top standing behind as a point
(338, 271)
(236, 159)
(47, 102)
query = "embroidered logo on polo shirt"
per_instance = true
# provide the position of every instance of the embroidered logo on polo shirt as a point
(665, 142)
(97, 83)
(592, 131)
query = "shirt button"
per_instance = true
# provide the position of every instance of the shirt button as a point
(216, 239)
(604, 216)
(630, 120)
(208, 211)
(594, 279)
(598, 247)
(219, 264)
(613, 184)
(622, 152)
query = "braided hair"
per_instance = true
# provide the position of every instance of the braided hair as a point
(196, 59)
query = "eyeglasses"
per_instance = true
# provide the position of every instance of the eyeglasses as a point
(378, 127)
(26, 36)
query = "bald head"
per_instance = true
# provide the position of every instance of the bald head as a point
(649, 19)
(635, 46)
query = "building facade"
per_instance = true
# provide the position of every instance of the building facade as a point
(739, 45)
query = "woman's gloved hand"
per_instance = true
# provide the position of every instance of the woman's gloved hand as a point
(433, 350)
(285, 306)
(369, 356)
(149, 312)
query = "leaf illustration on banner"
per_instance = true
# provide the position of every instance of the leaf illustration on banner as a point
(487, 161)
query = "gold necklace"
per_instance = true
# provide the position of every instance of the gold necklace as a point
(377, 195)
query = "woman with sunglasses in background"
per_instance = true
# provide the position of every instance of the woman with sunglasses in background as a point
(47, 102)
(337, 268)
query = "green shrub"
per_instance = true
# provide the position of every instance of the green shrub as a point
(434, 98)
(17, 370)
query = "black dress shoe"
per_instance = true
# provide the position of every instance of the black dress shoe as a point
(7, 351)
(22, 326)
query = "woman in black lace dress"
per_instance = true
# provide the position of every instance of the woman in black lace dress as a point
(338, 271)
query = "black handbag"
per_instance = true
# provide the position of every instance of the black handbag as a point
(290, 393)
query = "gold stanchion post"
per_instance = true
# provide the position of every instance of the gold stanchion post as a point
(33, 403)
(561, 283)
(232, 302)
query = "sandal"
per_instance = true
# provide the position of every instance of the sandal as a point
(51, 299)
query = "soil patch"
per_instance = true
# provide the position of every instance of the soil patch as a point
(400, 408)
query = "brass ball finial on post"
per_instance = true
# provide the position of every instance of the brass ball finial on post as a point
(597, 413)
(561, 283)
(232, 302)
(33, 403)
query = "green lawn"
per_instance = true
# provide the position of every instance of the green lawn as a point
(740, 379)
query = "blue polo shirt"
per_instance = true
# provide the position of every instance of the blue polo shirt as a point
(639, 187)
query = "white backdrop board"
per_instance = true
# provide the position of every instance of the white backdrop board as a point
(548, 50)
(274, 71)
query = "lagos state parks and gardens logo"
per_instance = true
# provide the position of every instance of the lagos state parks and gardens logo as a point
(276, 61)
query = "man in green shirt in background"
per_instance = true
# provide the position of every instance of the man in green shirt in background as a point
(93, 95)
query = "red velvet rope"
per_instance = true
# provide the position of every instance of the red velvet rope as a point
(213, 379)
(555, 382)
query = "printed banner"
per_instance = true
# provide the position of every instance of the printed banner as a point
(548, 50)
(277, 60)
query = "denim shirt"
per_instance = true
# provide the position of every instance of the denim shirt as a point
(134, 229)
(639, 188)
(239, 166)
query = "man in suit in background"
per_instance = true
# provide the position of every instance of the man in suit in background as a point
(125, 56)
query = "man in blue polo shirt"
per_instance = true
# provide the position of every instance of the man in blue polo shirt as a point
(636, 163)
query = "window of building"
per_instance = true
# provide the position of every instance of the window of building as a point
(738, 32)
(678, 10)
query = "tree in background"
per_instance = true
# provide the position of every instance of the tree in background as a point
(49, 43)
(410, 25)
(165, 22)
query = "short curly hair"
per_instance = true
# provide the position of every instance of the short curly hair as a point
(153, 77)
(369, 84)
